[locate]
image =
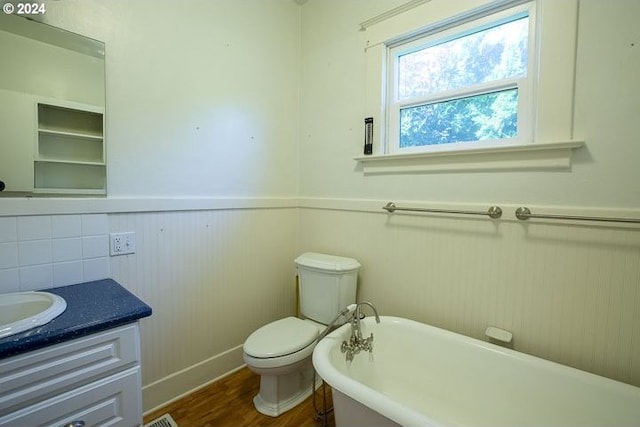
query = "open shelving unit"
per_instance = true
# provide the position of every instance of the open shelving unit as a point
(70, 152)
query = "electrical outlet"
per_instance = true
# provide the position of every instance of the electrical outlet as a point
(122, 243)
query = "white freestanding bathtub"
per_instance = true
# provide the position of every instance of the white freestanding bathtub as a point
(424, 376)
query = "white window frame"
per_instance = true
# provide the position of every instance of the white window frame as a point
(545, 143)
(430, 38)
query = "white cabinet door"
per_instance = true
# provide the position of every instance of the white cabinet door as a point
(17, 140)
(34, 376)
(95, 379)
(111, 401)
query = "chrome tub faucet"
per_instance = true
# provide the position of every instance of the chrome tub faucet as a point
(356, 342)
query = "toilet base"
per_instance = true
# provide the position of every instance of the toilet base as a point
(280, 393)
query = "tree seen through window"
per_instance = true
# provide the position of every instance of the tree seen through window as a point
(493, 54)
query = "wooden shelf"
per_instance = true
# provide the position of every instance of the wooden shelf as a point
(69, 177)
(67, 134)
(70, 155)
(65, 147)
(70, 191)
(67, 162)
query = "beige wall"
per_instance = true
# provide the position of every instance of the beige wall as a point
(231, 127)
(202, 98)
(603, 174)
(569, 292)
(212, 277)
(201, 125)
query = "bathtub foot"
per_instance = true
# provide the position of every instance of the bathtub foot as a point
(324, 414)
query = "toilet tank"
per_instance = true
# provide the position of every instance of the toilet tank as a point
(327, 285)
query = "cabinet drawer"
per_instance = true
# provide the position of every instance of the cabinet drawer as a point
(38, 375)
(114, 400)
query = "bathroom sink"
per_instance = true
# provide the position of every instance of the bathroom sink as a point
(25, 310)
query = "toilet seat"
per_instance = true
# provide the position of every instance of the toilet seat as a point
(280, 343)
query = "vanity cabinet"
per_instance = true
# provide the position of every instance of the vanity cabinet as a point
(95, 379)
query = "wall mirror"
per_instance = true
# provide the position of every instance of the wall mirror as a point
(52, 110)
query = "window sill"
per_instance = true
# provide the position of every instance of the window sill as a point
(538, 156)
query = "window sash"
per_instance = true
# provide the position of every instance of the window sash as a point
(523, 85)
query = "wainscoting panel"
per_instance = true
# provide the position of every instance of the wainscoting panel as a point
(212, 277)
(568, 292)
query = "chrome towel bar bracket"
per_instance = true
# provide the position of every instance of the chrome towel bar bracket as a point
(493, 212)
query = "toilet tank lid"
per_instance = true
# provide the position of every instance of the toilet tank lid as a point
(327, 262)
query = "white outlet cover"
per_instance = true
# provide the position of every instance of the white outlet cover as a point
(122, 243)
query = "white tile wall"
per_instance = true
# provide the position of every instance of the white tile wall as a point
(8, 255)
(34, 227)
(35, 252)
(8, 229)
(95, 224)
(67, 272)
(44, 251)
(66, 226)
(67, 249)
(9, 280)
(95, 246)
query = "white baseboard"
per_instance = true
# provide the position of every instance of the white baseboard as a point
(186, 381)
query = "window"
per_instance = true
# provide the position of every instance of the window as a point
(484, 85)
(469, 83)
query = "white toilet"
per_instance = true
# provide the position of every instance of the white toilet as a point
(281, 351)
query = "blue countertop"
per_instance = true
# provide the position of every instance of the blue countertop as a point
(91, 307)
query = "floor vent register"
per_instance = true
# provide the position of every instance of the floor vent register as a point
(163, 421)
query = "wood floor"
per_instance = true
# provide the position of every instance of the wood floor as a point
(229, 403)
